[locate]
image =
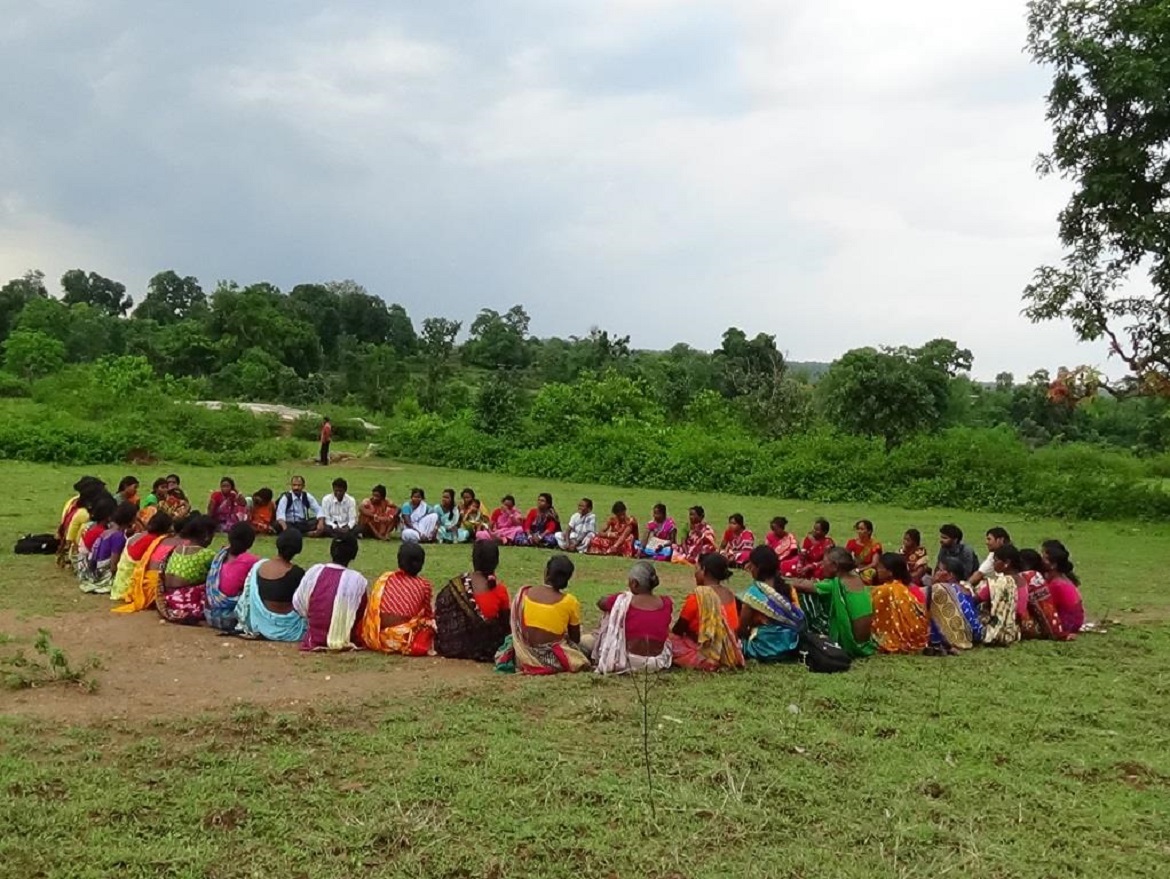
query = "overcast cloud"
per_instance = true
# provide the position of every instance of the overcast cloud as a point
(837, 172)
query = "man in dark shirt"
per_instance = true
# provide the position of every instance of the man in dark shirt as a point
(951, 546)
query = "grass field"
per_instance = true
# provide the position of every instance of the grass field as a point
(1041, 760)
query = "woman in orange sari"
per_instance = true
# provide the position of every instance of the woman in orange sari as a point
(900, 623)
(704, 638)
(147, 575)
(399, 618)
(618, 535)
(262, 512)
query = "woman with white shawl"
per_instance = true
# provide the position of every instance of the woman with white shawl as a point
(635, 627)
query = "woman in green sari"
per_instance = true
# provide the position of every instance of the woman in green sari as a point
(840, 606)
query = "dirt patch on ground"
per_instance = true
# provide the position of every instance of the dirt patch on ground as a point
(151, 669)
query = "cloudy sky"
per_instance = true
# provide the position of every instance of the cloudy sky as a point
(836, 172)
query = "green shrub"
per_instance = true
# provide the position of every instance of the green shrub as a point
(12, 386)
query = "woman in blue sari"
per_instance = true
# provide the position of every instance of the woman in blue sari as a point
(265, 609)
(771, 621)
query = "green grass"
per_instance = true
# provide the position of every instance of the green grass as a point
(1041, 760)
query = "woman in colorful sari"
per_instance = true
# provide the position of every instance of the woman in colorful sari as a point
(142, 591)
(840, 606)
(377, 517)
(128, 491)
(546, 626)
(148, 506)
(1063, 586)
(398, 617)
(265, 609)
(812, 552)
(541, 525)
(333, 598)
(183, 585)
(225, 580)
(916, 557)
(865, 550)
(998, 596)
(465, 498)
(506, 523)
(448, 515)
(900, 623)
(75, 515)
(472, 612)
(634, 635)
(770, 621)
(699, 542)
(137, 547)
(617, 536)
(783, 542)
(1035, 610)
(419, 521)
(174, 503)
(473, 524)
(108, 551)
(705, 635)
(101, 510)
(661, 534)
(738, 542)
(954, 615)
(227, 506)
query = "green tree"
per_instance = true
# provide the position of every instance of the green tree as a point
(1108, 106)
(877, 393)
(102, 293)
(171, 299)
(260, 317)
(320, 307)
(499, 341)
(437, 350)
(31, 354)
(499, 404)
(15, 295)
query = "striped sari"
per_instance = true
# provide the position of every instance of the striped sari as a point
(716, 646)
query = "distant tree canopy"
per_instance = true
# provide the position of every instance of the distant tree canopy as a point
(337, 342)
(1109, 107)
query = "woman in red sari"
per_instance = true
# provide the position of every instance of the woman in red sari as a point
(812, 551)
(700, 540)
(618, 535)
(866, 551)
(738, 542)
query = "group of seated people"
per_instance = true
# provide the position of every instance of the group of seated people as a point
(860, 597)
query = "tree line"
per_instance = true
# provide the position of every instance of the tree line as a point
(337, 343)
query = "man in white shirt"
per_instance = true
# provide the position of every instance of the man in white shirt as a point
(996, 538)
(338, 512)
(580, 530)
(297, 509)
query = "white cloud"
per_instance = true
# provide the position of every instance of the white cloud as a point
(840, 173)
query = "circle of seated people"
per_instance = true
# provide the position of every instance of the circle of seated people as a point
(807, 599)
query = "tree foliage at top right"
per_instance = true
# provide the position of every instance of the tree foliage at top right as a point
(1109, 107)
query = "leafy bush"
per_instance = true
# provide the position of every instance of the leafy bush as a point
(986, 469)
(12, 386)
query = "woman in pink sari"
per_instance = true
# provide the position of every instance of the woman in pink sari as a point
(661, 533)
(227, 506)
(507, 522)
(783, 542)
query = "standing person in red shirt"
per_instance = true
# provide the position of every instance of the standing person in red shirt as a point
(326, 438)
